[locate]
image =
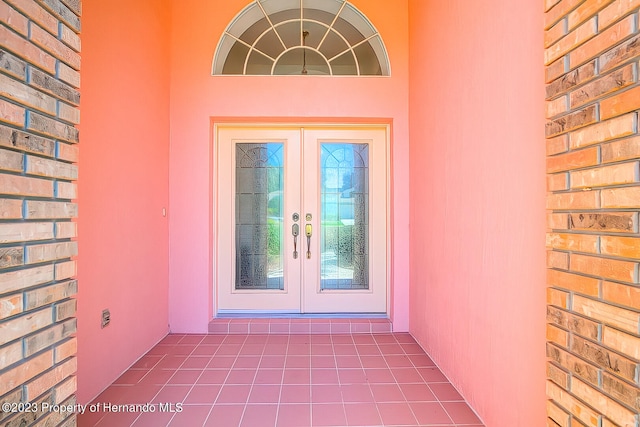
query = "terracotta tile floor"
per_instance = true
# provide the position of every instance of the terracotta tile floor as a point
(285, 380)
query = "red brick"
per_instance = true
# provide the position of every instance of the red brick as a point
(9, 355)
(31, 9)
(557, 297)
(616, 80)
(557, 145)
(621, 103)
(573, 242)
(11, 161)
(604, 131)
(570, 80)
(49, 294)
(622, 342)
(575, 406)
(23, 141)
(620, 294)
(65, 389)
(557, 415)
(557, 182)
(600, 356)
(555, 33)
(619, 54)
(65, 270)
(625, 149)
(46, 338)
(27, 231)
(555, 70)
(626, 320)
(575, 365)
(623, 173)
(605, 40)
(556, 107)
(558, 11)
(574, 200)
(615, 11)
(50, 210)
(557, 375)
(70, 38)
(60, 10)
(11, 113)
(54, 46)
(22, 279)
(50, 378)
(68, 113)
(66, 190)
(571, 121)
(66, 230)
(558, 221)
(66, 349)
(24, 325)
(51, 168)
(557, 335)
(548, 4)
(22, 48)
(66, 310)
(14, 19)
(12, 65)
(9, 306)
(625, 247)
(573, 160)
(604, 221)
(625, 197)
(10, 209)
(51, 127)
(67, 152)
(602, 403)
(23, 94)
(50, 251)
(14, 377)
(621, 391)
(22, 186)
(69, 75)
(570, 41)
(573, 282)
(624, 271)
(585, 11)
(11, 257)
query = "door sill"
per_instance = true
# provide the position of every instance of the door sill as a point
(285, 324)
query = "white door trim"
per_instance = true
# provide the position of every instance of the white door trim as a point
(299, 126)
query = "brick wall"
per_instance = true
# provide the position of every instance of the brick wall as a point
(39, 80)
(593, 149)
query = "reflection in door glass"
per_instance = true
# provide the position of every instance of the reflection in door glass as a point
(344, 241)
(259, 216)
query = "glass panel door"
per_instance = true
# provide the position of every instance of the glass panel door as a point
(258, 186)
(345, 182)
(301, 220)
(259, 216)
(344, 220)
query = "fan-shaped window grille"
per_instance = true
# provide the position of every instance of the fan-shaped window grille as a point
(288, 37)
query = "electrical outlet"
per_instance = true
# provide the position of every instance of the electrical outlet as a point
(106, 317)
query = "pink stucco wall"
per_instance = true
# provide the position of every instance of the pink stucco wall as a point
(477, 201)
(123, 186)
(196, 97)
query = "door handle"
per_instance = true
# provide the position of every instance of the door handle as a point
(308, 230)
(295, 231)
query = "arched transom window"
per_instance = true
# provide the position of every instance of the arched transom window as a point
(289, 37)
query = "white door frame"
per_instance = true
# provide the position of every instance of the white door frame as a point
(216, 126)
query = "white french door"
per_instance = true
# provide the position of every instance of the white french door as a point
(301, 224)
